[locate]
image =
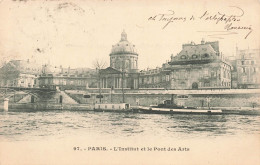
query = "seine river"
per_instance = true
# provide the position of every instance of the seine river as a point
(25, 126)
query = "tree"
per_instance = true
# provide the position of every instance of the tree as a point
(99, 64)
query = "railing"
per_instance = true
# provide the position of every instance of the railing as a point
(26, 88)
(170, 91)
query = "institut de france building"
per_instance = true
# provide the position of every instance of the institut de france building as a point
(196, 66)
(123, 70)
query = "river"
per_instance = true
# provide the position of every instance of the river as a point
(41, 125)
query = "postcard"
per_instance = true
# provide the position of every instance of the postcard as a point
(168, 82)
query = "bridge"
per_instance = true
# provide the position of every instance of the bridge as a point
(16, 94)
(35, 95)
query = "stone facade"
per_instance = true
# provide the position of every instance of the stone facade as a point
(20, 73)
(238, 99)
(155, 78)
(123, 70)
(200, 66)
(247, 68)
(197, 66)
(123, 56)
(67, 78)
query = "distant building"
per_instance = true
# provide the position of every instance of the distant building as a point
(20, 73)
(155, 78)
(123, 70)
(234, 75)
(247, 68)
(200, 66)
(67, 78)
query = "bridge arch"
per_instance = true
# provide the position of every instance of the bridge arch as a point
(194, 85)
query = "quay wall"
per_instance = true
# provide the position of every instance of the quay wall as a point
(49, 106)
(197, 98)
(239, 99)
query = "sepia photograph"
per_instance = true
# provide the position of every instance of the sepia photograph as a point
(112, 82)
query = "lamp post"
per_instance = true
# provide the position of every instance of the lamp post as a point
(99, 84)
(208, 101)
(123, 86)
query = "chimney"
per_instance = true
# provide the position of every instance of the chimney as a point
(203, 41)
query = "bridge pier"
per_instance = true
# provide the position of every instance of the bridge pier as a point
(6, 100)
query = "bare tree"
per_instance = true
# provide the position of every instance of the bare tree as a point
(99, 64)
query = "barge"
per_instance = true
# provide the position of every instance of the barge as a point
(186, 110)
(169, 108)
(112, 107)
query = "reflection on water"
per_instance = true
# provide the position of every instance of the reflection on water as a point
(59, 124)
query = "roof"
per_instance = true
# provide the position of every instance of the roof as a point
(123, 46)
(197, 49)
(110, 70)
(21, 66)
(200, 53)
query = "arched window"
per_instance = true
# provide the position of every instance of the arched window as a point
(206, 55)
(183, 57)
(194, 56)
(127, 64)
(182, 84)
(195, 85)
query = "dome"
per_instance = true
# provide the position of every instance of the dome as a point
(123, 46)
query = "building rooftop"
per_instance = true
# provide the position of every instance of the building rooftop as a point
(123, 46)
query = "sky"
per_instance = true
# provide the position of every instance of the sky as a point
(77, 33)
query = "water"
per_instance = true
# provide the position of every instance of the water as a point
(25, 126)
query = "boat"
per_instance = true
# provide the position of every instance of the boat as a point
(170, 108)
(112, 107)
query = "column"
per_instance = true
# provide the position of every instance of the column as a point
(120, 83)
(6, 100)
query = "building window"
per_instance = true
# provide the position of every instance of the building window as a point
(206, 84)
(252, 62)
(242, 62)
(244, 79)
(194, 56)
(183, 57)
(213, 74)
(206, 72)
(243, 70)
(206, 55)
(167, 77)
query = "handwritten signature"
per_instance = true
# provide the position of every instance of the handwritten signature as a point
(230, 22)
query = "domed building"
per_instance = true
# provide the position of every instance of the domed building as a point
(124, 56)
(123, 70)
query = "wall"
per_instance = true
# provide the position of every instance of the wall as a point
(216, 100)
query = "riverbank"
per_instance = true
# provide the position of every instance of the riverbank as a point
(48, 106)
(16, 107)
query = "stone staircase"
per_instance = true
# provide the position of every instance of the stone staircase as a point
(49, 98)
